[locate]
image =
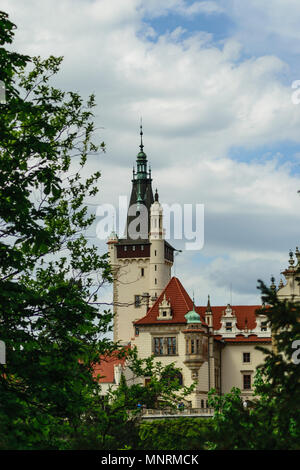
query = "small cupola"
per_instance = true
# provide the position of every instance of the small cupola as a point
(192, 317)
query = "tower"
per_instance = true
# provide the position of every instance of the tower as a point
(142, 260)
(160, 265)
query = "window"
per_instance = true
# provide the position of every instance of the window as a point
(158, 346)
(247, 381)
(165, 346)
(202, 403)
(137, 301)
(142, 247)
(228, 326)
(133, 247)
(164, 314)
(125, 248)
(246, 357)
(155, 252)
(263, 326)
(137, 332)
(155, 267)
(155, 281)
(142, 272)
(171, 346)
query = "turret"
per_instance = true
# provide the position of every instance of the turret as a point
(208, 314)
(158, 269)
(196, 340)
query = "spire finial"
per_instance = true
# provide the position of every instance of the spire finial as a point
(156, 196)
(208, 307)
(141, 134)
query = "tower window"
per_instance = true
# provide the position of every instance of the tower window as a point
(155, 267)
(246, 357)
(155, 281)
(137, 301)
(155, 252)
(142, 272)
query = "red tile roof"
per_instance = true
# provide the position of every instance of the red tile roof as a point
(245, 315)
(105, 367)
(181, 303)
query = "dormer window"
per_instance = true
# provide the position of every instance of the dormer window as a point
(228, 326)
(164, 310)
(263, 326)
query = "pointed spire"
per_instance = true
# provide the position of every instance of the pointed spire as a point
(141, 134)
(156, 195)
(208, 307)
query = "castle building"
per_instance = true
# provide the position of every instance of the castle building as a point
(214, 346)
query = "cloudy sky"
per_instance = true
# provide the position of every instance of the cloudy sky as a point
(212, 81)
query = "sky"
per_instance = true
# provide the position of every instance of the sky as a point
(216, 85)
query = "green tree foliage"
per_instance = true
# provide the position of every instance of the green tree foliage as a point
(49, 274)
(115, 424)
(272, 421)
(163, 388)
(175, 434)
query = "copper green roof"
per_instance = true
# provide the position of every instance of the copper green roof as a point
(192, 317)
(141, 156)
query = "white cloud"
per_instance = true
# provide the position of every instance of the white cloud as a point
(198, 99)
(155, 8)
